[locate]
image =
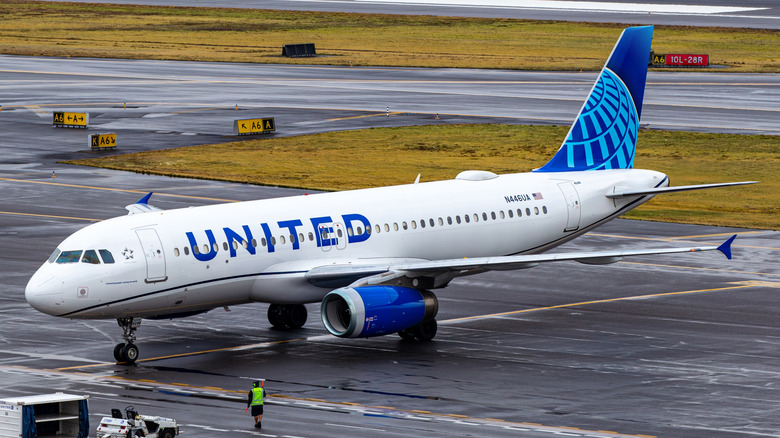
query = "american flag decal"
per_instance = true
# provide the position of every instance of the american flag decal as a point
(537, 196)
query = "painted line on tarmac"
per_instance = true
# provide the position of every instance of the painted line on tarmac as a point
(739, 285)
(110, 189)
(50, 216)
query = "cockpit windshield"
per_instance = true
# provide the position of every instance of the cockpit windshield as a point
(89, 256)
(69, 256)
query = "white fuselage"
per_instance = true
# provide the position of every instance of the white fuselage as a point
(182, 261)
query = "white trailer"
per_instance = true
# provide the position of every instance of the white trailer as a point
(46, 415)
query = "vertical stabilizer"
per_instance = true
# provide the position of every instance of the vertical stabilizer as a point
(604, 134)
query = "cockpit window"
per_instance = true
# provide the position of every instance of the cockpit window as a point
(106, 256)
(54, 255)
(69, 256)
(90, 256)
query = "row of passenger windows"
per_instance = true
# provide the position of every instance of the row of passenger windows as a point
(89, 256)
(338, 232)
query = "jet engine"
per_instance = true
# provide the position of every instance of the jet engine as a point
(367, 311)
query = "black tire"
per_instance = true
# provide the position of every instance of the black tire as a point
(296, 316)
(426, 330)
(118, 352)
(130, 353)
(275, 316)
(168, 433)
(406, 335)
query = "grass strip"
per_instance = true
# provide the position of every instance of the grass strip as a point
(255, 35)
(388, 156)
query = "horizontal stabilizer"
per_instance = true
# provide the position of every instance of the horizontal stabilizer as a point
(658, 190)
(142, 206)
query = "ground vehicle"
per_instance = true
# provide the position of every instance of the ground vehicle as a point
(60, 414)
(135, 425)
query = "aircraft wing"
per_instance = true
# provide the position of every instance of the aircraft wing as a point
(442, 271)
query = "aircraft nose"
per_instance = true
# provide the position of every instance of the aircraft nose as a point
(44, 292)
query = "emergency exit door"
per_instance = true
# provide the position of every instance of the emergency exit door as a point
(153, 254)
(572, 205)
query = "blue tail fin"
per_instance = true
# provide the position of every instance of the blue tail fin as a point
(604, 134)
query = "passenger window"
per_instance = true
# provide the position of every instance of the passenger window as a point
(519, 213)
(281, 240)
(405, 225)
(544, 209)
(501, 214)
(311, 236)
(536, 210)
(176, 252)
(186, 250)
(54, 255)
(510, 214)
(449, 220)
(225, 246)
(484, 216)
(395, 226)
(476, 217)
(90, 256)
(359, 231)
(301, 238)
(422, 223)
(527, 211)
(430, 221)
(414, 225)
(254, 243)
(441, 222)
(263, 241)
(195, 250)
(69, 256)
(340, 233)
(349, 232)
(457, 218)
(493, 215)
(467, 218)
(387, 228)
(378, 229)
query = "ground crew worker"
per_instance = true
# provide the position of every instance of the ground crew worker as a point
(255, 400)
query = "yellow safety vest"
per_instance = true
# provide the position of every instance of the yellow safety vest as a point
(257, 396)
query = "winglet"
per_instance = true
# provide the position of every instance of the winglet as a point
(725, 247)
(145, 199)
(142, 206)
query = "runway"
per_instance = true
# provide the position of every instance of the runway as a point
(681, 346)
(762, 14)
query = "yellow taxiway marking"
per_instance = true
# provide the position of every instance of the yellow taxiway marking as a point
(110, 189)
(739, 285)
(51, 216)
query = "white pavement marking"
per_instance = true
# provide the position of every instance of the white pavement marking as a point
(579, 6)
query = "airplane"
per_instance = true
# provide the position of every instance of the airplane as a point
(371, 257)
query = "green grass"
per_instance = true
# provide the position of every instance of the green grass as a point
(387, 156)
(252, 35)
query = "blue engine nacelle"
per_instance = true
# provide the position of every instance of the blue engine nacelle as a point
(376, 310)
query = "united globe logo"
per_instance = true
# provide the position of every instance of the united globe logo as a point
(604, 135)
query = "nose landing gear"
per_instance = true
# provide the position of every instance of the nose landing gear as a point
(127, 352)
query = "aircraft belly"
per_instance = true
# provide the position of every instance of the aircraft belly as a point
(285, 288)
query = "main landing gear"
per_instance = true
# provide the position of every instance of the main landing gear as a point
(127, 352)
(287, 316)
(424, 331)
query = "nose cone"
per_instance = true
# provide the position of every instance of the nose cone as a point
(44, 292)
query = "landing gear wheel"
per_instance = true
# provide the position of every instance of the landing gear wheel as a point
(287, 316)
(130, 353)
(426, 330)
(406, 335)
(118, 352)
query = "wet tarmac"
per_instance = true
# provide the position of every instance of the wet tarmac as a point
(673, 346)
